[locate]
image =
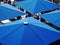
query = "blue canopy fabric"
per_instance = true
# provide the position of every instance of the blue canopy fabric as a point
(36, 6)
(7, 12)
(32, 33)
(21, 3)
(52, 17)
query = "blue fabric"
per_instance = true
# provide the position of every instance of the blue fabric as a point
(52, 17)
(22, 3)
(35, 33)
(7, 12)
(47, 36)
(35, 6)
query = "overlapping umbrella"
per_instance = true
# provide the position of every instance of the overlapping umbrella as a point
(27, 31)
(7, 12)
(52, 17)
(36, 6)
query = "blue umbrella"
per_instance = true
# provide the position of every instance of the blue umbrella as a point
(27, 31)
(36, 6)
(52, 17)
(7, 12)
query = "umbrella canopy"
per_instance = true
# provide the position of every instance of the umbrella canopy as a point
(7, 12)
(27, 31)
(36, 6)
(52, 17)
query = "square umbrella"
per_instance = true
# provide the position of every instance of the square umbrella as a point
(7, 12)
(27, 31)
(36, 6)
(52, 17)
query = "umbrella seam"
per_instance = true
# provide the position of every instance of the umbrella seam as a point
(9, 8)
(11, 32)
(35, 33)
(27, 3)
(4, 13)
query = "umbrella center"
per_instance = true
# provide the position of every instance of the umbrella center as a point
(25, 23)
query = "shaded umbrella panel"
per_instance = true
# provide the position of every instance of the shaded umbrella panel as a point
(47, 35)
(30, 38)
